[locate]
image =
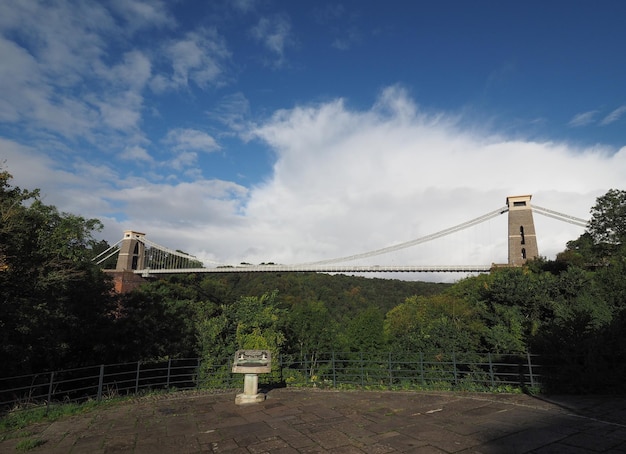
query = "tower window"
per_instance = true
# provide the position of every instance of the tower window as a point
(135, 261)
(519, 204)
(524, 253)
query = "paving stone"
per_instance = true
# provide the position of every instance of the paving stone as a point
(559, 448)
(267, 446)
(592, 442)
(298, 441)
(403, 443)
(330, 439)
(525, 441)
(347, 450)
(304, 420)
(377, 448)
(227, 444)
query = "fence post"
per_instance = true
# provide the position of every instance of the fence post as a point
(50, 391)
(390, 371)
(456, 382)
(100, 382)
(362, 370)
(198, 373)
(169, 368)
(530, 370)
(422, 368)
(332, 361)
(137, 377)
(490, 369)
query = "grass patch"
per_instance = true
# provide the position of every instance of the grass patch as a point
(23, 417)
(20, 418)
(27, 445)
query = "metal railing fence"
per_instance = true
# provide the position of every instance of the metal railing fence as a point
(417, 370)
(471, 371)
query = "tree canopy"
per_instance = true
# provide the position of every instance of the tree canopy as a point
(55, 305)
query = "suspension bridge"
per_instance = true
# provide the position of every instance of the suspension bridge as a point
(139, 256)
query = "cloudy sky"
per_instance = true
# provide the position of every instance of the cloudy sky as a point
(268, 130)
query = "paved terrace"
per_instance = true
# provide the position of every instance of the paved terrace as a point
(305, 420)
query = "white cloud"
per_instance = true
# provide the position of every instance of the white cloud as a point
(583, 119)
(244, 6)
(64, 37)
(201, 57)
(132, 72)
(60, 78)
(136, 153)
(275, 34)
(207, 201)
(614, 116)
(348, 38)
(79, 188)
(141, 14)
(28, 95)
(183, 139)
(351, 181)
(232, 111)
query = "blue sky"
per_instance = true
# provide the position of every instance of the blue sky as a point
(260, 130)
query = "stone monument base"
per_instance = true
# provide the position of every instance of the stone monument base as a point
(250, 393)
(242, 399)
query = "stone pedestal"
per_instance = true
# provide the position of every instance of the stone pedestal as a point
(251, 393)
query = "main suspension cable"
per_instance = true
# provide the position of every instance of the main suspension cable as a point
(414, 242)
(560, 216)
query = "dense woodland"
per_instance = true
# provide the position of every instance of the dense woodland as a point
(58, 310)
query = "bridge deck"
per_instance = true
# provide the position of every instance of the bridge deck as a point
(324, 269)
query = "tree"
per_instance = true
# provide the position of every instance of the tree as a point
(157, 321)
(608, 219)
(249, 323)
(579, 252)
(440, 323)
(311, 330)
(364, 332)
(55, 305)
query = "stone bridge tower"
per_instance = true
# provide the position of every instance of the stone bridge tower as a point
(132, 250)
(129, 259)
(522, 236)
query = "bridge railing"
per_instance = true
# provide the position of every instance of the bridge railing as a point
(333, 369)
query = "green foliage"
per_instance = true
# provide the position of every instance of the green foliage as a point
(55, 305)
(364, 332)
(605, 237)
(610, 283)
(250, 323)
(310, 327)
(157, 322)
(607, 226)
(342, 295)
(438, 323)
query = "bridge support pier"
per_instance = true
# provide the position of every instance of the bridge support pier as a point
(522, 236)
(125, 281)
